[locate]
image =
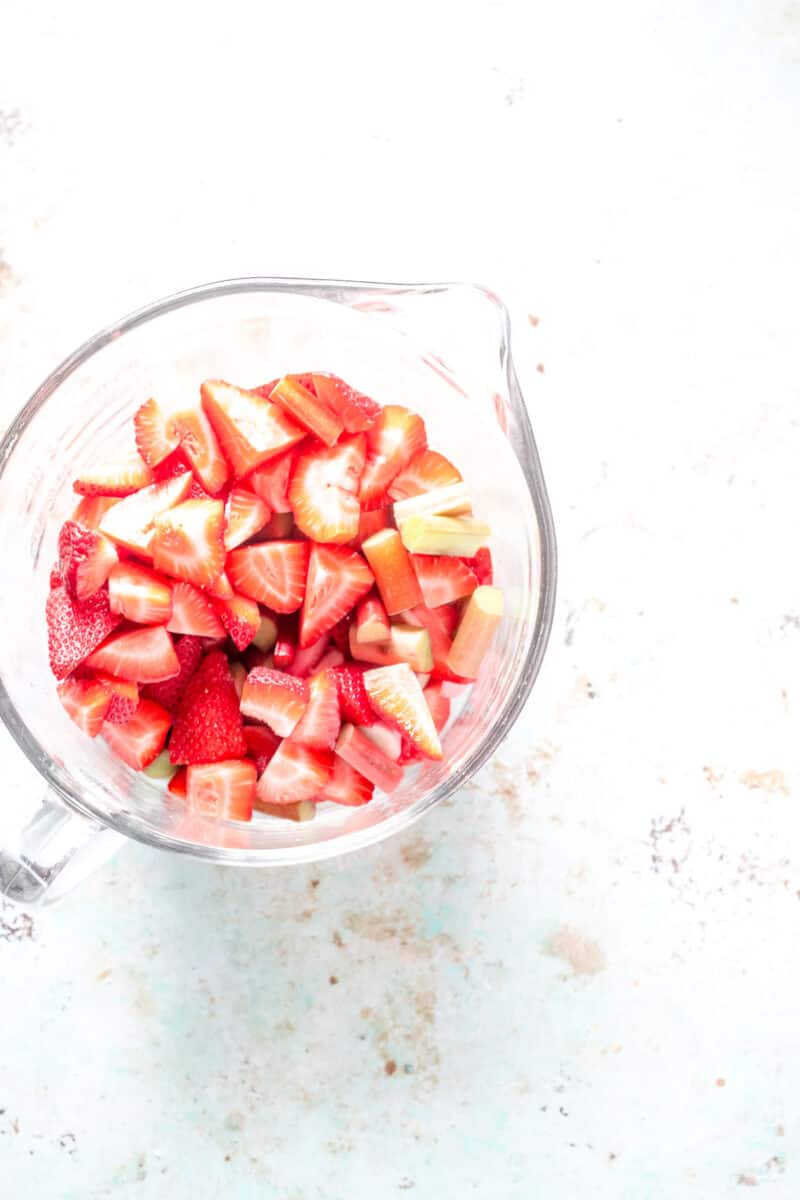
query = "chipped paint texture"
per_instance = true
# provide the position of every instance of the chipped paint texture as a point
(579, 978)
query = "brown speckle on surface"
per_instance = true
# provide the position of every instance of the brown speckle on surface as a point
(581, 953)
(416, 852)
(720, 1083)
(540, 368)
(332, 980)
(337, 939)
(101, 975)
(390, 1066)
(505, 788)
(314, 883)
(734, 599)
(771, 781)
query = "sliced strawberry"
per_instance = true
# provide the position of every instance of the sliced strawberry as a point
(245, 514)
(115, 478)
(396, 696)
(250, 429)
(285, 646)
(440, 624)
(208, 724)
(340, 634)
(372, 622)
(130, 522)
(189, 652)
(85, 559)
(394, 439)
(201, 448)
(187, 542)
(156, 437)
(353, 698)
(427, 470)
(198, 492)
(194, 613)
(439, 705)
(123, 697)
(90, 510)
(303, 407)
(75, 628)
(86, 703)
(394, 574)
(410, 754)
(337, 579)
(261, 745)
(481, 564)
(270, 481)
(141, 739)
(324, 491)
(279, 527)
(173, 465)
(355, 410)
(177, 785)
(241, 617)
(320, 723)
(295, 772)
(277, 699)
(442, 579)
(346, 786)
(371, 521)
(144, 655)
(364, 756)
(222, 789)
(139, 594)
(221, 587)
(307, 658)
(273, 573)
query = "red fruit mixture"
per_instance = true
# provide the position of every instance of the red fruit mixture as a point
(271, 596)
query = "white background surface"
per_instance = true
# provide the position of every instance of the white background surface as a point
(585, 969)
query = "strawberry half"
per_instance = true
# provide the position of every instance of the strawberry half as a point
(241, 617)
(75, 628)
(115, 478)
(396, 696)
(323, 491)
(156, 437)
(273, 573)
(303, 406)
(320, 723)
(261, 745)
(85, 559)
(200, 447)
(353, 699)
(90, 510)
(144, 655)
(130, 522)
(187, 542)
(250, 429)
(85, 702)
(141, 739)
(442, 579)
(426, 471)
(481, 564)
(270, 481)
(355, 410)
(123, 697)
(173, 465)
(359, 752)
(346, 785)
(394, 439)
(169, 693)
(277, 699)
(193, 612)
(294, 773)
(245, 514)
(337, 579)
(222, 789)
(208, 724)
(139, 594)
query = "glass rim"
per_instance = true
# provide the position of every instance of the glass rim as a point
(530, 466)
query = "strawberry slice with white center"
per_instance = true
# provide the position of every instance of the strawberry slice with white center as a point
(303, 407)
(144, 655)
(139, 594)
(130, 522)
(85, 559)
(200, 447)
(295, 772)
(442, 578)
(337, 579)
(355, 410)
(141, 739)
(273, 573)
(323, 492)
(222, 789)
(193, 613)
(241, 617)
(270, 481)
(90, 510)
(320, 723)
(124, 697)
(221, 588)
(394, 439)
(396, 696)
(425, 472)
(250, 429)
(359, 752)
(85, 702)
(346, 786)
(245, 514)
(156, 437)
(114, 478)
(277, 699)
(187, 542)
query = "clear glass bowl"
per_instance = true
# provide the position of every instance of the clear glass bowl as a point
(441, 349)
